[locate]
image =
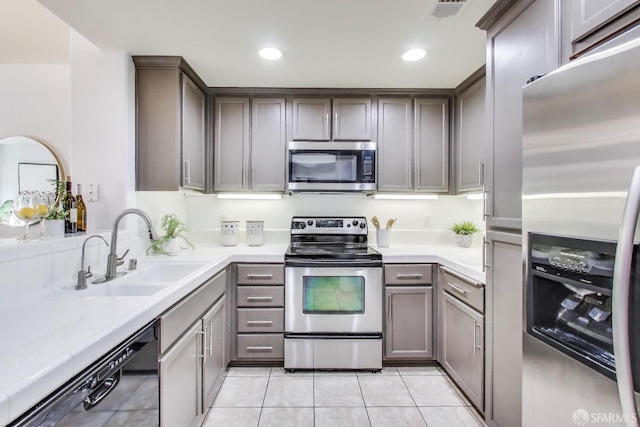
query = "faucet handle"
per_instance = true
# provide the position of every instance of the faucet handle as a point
(120, 260)
(89, 273)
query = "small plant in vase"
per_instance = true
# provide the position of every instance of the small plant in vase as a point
(53, 221)
(169, 243)
(464, 232)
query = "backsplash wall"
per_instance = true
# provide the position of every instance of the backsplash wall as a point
(417, 220)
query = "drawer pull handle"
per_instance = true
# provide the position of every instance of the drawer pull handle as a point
(265, 349)
(259, 322)
(259, 276)
(461, 277)
(476, 347)
(259, 298)
(409, 276)
(457, 289)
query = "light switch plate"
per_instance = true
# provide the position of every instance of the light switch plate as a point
(92, 195)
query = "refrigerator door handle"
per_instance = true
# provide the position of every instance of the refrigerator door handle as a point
(620, 312)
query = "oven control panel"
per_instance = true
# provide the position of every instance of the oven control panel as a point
(329, 225)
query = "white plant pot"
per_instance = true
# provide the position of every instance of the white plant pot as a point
(464, 240)
(171, 247)
(53, 227)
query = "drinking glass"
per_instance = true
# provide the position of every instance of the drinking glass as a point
(26, 211)
(45, 201)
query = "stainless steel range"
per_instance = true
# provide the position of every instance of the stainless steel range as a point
(333, 296)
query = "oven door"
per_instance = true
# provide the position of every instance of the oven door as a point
(325, 166)
(326, 300)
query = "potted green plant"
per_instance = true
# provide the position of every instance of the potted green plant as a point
(169, 243)
(464, 231)
(53, 221)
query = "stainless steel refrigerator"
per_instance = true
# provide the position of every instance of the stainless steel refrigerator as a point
(581, 193)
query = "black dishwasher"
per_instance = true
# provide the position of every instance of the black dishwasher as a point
(120, 388)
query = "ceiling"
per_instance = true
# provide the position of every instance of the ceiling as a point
(326, 43)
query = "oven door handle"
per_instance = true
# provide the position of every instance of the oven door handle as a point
(332, 263)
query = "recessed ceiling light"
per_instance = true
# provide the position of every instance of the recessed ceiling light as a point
(414, 54)
(270, 53)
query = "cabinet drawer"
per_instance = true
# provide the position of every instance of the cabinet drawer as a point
(260, 320)
(463, 288)
(260, 296)
(260, 346)
(407, 274)
(174, 322)
(260, 274)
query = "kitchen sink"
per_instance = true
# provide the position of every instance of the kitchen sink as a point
(154, 273)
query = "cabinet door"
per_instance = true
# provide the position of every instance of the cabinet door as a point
(193, 135)
(352, 119)
(461, 346)
(431, 173)
(589, 15)
(231, 144)
(268, 143)
(214, 326)
(523, 44)
(408, 330)
(469, 141)
(311, 121)
(180, 387)
(157, 129)
(504, 329)
(395, 158)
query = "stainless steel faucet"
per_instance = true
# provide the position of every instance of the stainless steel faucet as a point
(82, 274)
(113, 261)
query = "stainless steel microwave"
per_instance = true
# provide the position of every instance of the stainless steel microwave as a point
(331, 166)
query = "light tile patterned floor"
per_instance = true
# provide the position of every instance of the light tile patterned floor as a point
(408, 396)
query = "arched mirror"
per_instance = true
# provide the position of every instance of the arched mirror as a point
(26, 164)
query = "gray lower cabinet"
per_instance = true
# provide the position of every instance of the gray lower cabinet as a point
(461, 337)
(504, 330)
(258, 324)
(413, 145)
(408, 323)
(171, 139)
(180, 395)
(408, 330)
(249, 144)
(193, 354)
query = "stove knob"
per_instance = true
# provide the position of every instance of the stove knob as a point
(303, 225)
(355, 222)
(363, 225)
(309, 222)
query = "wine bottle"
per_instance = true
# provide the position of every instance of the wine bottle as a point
(71, 209)
(82, 209)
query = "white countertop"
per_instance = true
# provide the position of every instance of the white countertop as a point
(47, 337)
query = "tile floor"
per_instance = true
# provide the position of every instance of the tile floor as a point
(407, 397)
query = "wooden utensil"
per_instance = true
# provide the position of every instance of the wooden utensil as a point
(391, 222)
(375, 222)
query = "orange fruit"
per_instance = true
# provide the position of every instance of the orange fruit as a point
(26, 213)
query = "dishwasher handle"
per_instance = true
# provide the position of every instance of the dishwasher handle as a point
(103, 390)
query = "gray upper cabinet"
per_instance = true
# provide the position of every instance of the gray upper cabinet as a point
(589, 15)
(469, 138)
(231, 144)
(413, 145)
(315, 120)
(171, 140)
(193, 135)
(249, 143)
(268, 144)
(523, 43)
(431, 123)
(395, 154)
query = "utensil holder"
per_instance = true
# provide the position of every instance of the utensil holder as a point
(255, 233)
(229, 232)
(383, 236)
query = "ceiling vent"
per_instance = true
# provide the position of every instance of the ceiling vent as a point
(448, 8)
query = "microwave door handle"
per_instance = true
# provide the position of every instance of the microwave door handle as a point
(620, 295)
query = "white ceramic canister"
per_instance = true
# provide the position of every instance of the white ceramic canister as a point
(255, 233)
(229, 232)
